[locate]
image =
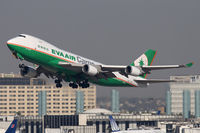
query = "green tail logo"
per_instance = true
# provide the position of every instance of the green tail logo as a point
(145, 59)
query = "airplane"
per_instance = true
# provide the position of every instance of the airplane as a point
(61, 65)
(12, 127)
(116, 129)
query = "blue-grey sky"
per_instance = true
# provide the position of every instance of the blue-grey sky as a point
(109, 31)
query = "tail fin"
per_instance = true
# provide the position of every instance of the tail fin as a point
(145, 59)
(113, 124)
(12, 127)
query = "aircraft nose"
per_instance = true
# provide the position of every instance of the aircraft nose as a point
(10, 41)
(10, 44)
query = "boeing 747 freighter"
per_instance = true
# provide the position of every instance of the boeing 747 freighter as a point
(79, 71)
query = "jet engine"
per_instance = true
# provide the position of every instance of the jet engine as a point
(90, 70)
(27, 71)
(132, 70)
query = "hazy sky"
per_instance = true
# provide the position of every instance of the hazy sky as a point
(109, 31)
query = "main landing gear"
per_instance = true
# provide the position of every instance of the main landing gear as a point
(58, 83)
(83, 84)
(73, 85)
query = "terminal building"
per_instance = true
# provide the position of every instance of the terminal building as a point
(93, 121)
(35, 97)
(41, 107)
(184, 96)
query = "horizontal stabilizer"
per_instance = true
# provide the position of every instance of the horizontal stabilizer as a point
(154, 80)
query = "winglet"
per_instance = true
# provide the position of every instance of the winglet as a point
(189, 64)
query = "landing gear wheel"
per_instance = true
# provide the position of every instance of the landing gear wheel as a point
(73, 85)
(70, 84)
(57, 81)
(58, 85)
(84, 84)
(21, 65)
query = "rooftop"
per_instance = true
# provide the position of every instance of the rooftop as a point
(98, 111)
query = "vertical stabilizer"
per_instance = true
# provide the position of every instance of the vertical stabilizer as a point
(145, 59)
(113, 124)
(12, 127)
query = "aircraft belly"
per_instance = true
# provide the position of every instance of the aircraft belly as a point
(112, 82)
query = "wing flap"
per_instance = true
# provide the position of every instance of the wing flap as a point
(71, 66)
(113, 68)
(66, 64)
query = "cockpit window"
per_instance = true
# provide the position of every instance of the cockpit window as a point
(22, 36)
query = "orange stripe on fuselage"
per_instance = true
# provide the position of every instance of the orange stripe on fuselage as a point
(40, 51)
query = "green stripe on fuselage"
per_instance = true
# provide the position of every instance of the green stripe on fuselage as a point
(51, 63)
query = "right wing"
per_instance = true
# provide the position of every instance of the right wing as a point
(149, 68)
(80, 68)
(106, 71)
(145, 69)
(71, 66)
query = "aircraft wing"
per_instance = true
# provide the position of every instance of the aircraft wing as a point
(115, 68)
(71, 66)
(109, 68)
(153, 80)
(106, 70)
(66, 64)
(166, 66)
(78, 68)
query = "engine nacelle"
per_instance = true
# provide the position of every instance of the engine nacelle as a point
(27, 71)
(90, 70)
(132, 70)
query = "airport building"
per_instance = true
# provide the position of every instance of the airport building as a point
(184, 96)
(35, 97)
(92, 121)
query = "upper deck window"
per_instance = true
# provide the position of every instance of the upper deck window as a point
(22, 36)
